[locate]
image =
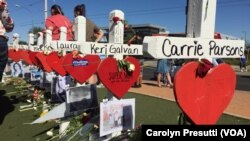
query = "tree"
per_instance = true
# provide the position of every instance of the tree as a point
(23, 43)
(36, 29)
(247, 44)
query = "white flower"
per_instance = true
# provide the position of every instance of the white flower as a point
(96, 126)
(131, 67)
(49, 133)
(85, 114)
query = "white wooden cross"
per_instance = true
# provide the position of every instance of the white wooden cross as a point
(200, 42)
(114, 47)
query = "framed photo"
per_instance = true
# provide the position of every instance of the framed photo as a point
(79, 98)
(35, 75)
(46, 81)
(116, 116)
(58, 89)
(17, 69)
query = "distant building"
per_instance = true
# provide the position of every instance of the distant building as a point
(142, 29)
(225, 36)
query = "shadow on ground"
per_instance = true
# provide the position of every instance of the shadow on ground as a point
(6, 106)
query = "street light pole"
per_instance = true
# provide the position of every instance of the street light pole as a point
(45, 10)
(245, 35)
(32, 18)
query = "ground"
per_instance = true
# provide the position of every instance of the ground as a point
(149, 110)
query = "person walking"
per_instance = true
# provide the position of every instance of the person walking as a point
(163, 71)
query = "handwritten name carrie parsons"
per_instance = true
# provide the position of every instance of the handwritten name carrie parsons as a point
(202, 48)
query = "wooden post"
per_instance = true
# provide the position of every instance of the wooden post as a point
(48, 36)
(80, 28)
(201, 18)
(63, 33)
(31, 39)
(40, 38)
(116, 29)
(16, 41)
(116, 35)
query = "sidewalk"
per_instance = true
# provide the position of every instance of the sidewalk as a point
(239, 105)
(153, 63)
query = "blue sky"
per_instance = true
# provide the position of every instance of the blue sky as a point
(232, 16)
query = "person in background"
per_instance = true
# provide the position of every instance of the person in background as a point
(57, 20)
(6, 25)
(93, 33)
(243, 61)
(163, 71)
(137, 39)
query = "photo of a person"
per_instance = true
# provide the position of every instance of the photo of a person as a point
(17, 69)
(61, 88)
(79, 98)
(116, 116)
(35, 75)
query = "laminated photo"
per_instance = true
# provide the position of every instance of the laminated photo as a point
(116, 116)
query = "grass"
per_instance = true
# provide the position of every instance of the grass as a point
(149, 110)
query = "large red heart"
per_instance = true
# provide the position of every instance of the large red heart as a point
(25, 56)
(204, 99)
(33, 58)
(42, 59)
(56, 63)
(81, 68)
(14, 55)
(118, 82)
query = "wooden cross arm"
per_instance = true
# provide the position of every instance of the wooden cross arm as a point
(176, 47)
(92, 48)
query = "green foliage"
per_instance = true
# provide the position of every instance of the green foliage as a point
(23, 43)
(36, 29)
(248, 45)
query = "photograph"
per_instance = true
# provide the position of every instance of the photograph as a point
(116, 116)
(17, 69)
(79, 98)
(58, 89)
(35, 74)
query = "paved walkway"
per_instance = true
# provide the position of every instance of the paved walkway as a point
(239, 106)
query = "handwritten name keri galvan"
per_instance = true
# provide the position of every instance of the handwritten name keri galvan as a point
(222, 133)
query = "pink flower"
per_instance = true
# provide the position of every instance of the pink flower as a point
(116, 19)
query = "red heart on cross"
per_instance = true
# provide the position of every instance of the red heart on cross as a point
(55, 62)
(34, 59)
(204, 99)
(25, 56)
(42, 59)
(118, 82)
(81, 68)
(14, 55)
